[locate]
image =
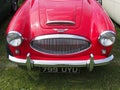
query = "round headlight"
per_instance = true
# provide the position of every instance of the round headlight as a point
(14, 38)
(107, 38)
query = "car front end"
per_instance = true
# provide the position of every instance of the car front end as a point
(79, 34)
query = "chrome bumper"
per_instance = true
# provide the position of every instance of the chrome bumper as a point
(78, 63)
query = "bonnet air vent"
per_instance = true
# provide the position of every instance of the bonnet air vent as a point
(60, 22)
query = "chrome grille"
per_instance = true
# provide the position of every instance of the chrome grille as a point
(60, 44)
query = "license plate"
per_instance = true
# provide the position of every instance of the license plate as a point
(60, 69)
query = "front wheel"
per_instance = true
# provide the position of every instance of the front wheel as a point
(14, 5)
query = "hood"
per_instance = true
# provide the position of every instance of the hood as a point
(44, 16)
(52, 16)
(60, 13)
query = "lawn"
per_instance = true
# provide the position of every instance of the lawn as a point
(13, 77)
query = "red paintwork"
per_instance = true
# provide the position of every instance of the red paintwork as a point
(90, 19)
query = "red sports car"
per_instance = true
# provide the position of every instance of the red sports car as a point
(57, 33)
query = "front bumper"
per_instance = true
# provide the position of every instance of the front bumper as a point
(77, 63)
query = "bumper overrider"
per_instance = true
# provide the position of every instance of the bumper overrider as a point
(90, 63)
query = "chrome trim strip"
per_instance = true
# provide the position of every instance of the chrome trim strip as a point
(108, 31)
(16, 33)
(60, 22)
(63, 62)
(60, 36)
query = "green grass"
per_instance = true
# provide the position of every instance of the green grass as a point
(13, 77)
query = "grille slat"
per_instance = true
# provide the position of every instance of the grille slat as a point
(60, 44)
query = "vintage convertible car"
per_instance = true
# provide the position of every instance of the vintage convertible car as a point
(7, 6)
(55, 33)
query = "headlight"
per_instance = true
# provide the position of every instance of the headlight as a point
(14, 38)
(107, 38)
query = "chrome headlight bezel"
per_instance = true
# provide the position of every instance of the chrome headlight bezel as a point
(14, 38)
(107, 38)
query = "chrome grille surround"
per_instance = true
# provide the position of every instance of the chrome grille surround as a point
(60, 44)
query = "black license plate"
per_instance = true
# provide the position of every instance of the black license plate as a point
(60, 69)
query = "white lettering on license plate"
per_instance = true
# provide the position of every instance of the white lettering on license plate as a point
(60, 69)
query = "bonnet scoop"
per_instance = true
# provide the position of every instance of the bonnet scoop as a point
(60, 13)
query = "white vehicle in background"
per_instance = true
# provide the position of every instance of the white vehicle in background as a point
(112, 7)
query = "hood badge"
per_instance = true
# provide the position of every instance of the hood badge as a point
(60, 30)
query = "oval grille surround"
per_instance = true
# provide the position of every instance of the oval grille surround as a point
(60, 44)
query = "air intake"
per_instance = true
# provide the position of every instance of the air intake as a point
(60, 44)
(60, 22)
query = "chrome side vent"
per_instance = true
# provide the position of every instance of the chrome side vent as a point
(60, 22)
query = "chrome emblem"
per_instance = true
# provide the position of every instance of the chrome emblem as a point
(60, 30)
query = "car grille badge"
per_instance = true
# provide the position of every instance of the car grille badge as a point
(60, 30)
